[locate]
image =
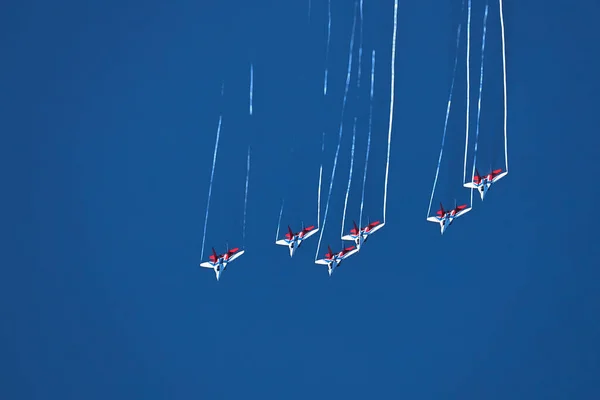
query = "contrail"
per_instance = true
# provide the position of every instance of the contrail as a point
(480, 90)
(337, 150)
(251, 85)
(360, 46)
(349, 176)
(279, 220)
(447, 113)
(468, 87)
(327, 48)
(504, 76)
(387, 166)
(362, 200)
(212, 174)
(246, 197)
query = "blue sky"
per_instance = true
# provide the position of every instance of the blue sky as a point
(109, 113)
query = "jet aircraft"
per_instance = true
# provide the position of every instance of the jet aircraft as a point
(445, 217)
(360, 236)
(334, 260)
(294, 240)
(219, 262)
(483, 183)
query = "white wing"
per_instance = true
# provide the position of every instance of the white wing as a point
(206, 264)
(309, 234)
(433, 219)
(502, 175)
(348, 254)
(462, 212)
(236, 255)
(376, 228)
(471, 185)
(282, 242)
(348, 237)
(322, 262)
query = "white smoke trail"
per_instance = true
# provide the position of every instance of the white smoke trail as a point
(468, 87)
(279, 220)
(349, 176)
(327, 48)
(246, 197)
(362, 200)
(212, 174)
(387, 166)
(504, 76)
(447, 113)
(337, 150)
(251, 85)
(480, 92)
(360, 46)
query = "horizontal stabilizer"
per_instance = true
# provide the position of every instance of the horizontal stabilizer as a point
(236, 255)
(309, 234)
(502, 175)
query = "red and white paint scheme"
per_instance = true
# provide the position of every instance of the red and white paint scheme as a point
(294, 240)
(445, 217)
(334, 260)
(483, 183)
(360, 235)
(219, 262)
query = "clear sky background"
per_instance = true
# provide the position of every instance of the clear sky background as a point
(108, 114)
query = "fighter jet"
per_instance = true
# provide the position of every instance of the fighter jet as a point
(483, 183)
(219, 262)
(445, 218)
(294, 240)
(360, 236)
(334, 260)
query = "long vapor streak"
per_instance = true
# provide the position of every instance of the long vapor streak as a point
(320, 182)
(279, 220)
(319, 197)
(212, 174)
(468, 87)
(349, 176)
(447, 113)
(387, 166)
(337, 150)
(251, 85)
(246, 197)
(504, 76)
(362, 200)
(309, 7)
(360, 46)
(480, 91)
(327, 48)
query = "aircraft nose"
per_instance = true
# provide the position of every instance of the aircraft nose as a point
(330, 271)
(218, 274)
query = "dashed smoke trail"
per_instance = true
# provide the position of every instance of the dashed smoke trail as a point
(251, 86)
(480, 91)
(504, 78)
(362, 200)
(212, 174)
(246, 197)
(327, 47)
(437, 171)
(349, 176)
(468, 87)
(387, 166)
(337, 150)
